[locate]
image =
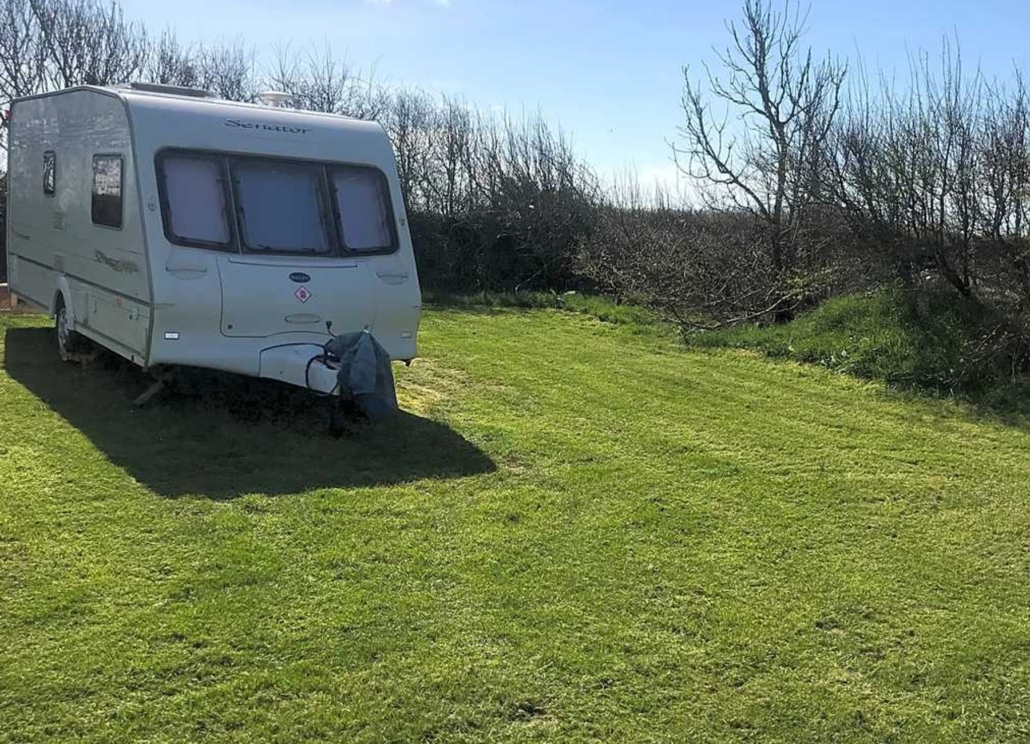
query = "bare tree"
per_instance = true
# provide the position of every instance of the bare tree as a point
(937, 158)
(171, 63)
(227, 70)
(22, 56)
(22, 51)
(89, 43)
(765, 155)
(906, 169)
(1004, 180)
(410, 120)
(319, 81)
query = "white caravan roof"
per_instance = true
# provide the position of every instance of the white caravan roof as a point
(167, 120)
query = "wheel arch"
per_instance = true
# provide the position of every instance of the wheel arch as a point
(63, 295)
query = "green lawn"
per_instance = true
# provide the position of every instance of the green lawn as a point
(580, 531)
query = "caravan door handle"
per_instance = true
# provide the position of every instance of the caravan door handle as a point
(394, 277)
(185, 266)
(304, 318)
(191, 273)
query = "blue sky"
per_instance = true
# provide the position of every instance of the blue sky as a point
(608, 71)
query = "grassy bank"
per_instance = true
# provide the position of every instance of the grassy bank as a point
(928, 342)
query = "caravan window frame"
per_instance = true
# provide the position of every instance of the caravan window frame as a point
(230, 246)
(121, 189)
(330, 211)
(391, 217)
(332, 236)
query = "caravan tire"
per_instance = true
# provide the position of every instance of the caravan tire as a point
(68, 341)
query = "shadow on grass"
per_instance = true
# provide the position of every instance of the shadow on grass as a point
(224, 436)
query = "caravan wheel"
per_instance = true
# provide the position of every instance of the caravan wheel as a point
(68, 341)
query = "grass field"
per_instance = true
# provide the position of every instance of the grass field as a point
(578, 531)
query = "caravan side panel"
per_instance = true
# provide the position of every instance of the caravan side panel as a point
(57, 250)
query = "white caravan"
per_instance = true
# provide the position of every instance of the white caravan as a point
(178, 229)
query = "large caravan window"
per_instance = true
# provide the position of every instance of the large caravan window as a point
(49, 173)
(363, 208)
(193, 200)
(281, 206)
(107, 190)
(273, 205)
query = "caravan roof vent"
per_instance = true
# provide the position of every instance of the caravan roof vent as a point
(172, 90)
(276, 98)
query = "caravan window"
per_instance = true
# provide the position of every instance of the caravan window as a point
(49, 173)
(272, 205)
(107, 190)
(363, 209)
(193, 199)
(281, 206)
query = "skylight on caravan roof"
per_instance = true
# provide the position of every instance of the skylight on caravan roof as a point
(171, 90)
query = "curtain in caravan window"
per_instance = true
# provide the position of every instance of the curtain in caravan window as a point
(281, 206)
(364, 207)
(106, 199)
(196, 199)
(49, 173)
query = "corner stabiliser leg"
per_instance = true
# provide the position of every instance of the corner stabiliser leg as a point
(147, 395)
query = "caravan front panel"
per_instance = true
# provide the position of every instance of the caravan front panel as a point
(290, 223)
